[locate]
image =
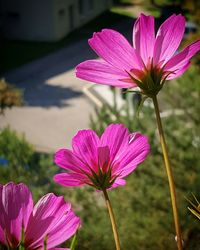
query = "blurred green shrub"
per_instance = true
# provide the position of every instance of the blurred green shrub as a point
(9, 96)
(20, 163)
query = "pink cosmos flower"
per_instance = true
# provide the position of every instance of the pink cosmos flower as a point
(150, 61)
(101, 162)
(50, 221)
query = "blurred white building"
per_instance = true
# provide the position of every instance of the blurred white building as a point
(47, 20)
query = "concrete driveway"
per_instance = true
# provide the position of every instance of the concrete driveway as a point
(55, 106)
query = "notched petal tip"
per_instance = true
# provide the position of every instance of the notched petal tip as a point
(83, 133)
(143, 15)
(97, 35)
(93, 35)
(138, 135)
(79, 66)
(134, 136)
(58, 156)
(116, 125)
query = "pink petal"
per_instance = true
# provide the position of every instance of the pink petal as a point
(16, 204)
(144, 37)
(115, 49)
(63, 230)
(2, 234)
(99, 71)
(116, 137)
(118, 182)
(70, 180)
(104, 158)
(46, 214)
(178, 72)
(2, 238)
(134, 154)
(181, 60)
(67, 160)
(168, 38)
(84, 145)
(59, 248)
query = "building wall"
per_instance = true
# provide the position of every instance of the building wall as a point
(47, 20)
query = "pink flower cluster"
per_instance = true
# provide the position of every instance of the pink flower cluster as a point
(51, 221)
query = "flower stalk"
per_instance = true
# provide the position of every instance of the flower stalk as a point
(112, 219)
(74, 242)
(169, 174)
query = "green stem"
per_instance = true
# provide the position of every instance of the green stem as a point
(112, 219)
(45, 242)
(169, 174)
(21, 246)
(74, 241)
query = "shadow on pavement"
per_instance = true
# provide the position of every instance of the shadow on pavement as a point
(47, 96)
(34, 77)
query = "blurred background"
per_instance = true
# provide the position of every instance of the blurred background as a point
(43, 105)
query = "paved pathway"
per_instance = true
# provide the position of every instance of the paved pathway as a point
(55, 105)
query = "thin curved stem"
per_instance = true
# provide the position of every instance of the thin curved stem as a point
(112, 219)
(169, 174)
(74, 242)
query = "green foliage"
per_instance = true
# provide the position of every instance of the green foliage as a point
(24, 165)
(9, 96)
(194, 207)
(17, 152)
